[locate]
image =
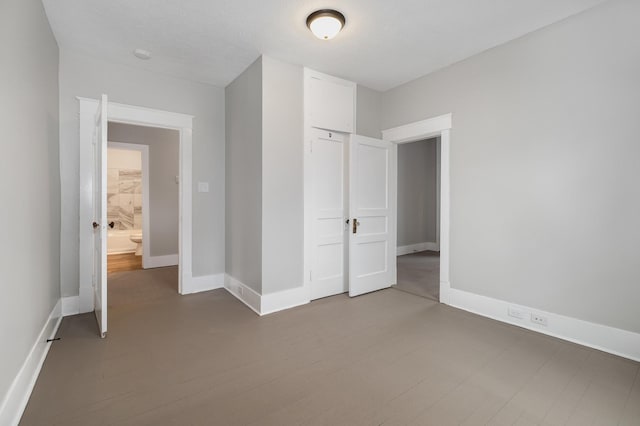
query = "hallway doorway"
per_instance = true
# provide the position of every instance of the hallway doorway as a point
(418, 218)
(419, 274)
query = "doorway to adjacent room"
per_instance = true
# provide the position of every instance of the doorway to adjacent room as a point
(418, 245)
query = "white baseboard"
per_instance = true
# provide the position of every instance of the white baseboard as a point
(266, 303)
(608, 339)
(414, 248)
(70, 305)
(203, 283)
(242, 292)
(281, 300)
(17, 396)
(160, 261)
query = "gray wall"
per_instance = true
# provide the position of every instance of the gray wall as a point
(164, 151)
(29, 181)
(368, 109)
(282, 171)
(90, 77)
(417, 192)
(243, 198)
(544, 165)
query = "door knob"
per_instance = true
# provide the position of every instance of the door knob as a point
(112, 224)
(96, 225)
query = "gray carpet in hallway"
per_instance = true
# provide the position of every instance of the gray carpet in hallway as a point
(419, 274)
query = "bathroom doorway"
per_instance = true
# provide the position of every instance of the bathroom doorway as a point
(127, 205)
(418, 246)
(96, 116)
(142, 212)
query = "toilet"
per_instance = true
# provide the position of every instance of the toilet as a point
(137, 238)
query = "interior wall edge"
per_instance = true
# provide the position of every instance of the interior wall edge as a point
(265, 304)
(203, 283)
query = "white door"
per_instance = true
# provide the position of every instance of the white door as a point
(328, 214)
(372, 230)
(100, 216)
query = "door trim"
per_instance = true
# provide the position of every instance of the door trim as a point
(426, 129)
(141, 116)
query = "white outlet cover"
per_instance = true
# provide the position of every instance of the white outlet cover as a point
(515, 313)
(203, 186)
(539, 319)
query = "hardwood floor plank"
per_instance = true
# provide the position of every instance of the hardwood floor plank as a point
(123, 262)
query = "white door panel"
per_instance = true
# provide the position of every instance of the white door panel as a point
(372, 232)
(100, 216)
(332, 106)
(329, 215)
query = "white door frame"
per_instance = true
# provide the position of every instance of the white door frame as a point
(425, 129)
(146, 234)
(128, 114)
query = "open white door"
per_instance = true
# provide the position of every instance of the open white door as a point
(100, 217)
(329, 214)
(372, 233)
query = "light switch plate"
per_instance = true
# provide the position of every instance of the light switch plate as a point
(203, 186)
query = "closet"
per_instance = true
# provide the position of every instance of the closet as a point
(350, 195)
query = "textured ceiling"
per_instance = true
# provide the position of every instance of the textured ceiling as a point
(384, 43)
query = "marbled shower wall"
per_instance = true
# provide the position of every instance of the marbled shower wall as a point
(124, 198)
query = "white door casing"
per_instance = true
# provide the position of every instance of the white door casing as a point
(372, 206)
(327, 163)
(139, 116)
(425, 129)
(100, 216)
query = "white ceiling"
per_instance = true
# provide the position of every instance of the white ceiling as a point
(384, 43)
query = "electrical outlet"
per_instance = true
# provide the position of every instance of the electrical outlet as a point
(539, 319)
(515, 313)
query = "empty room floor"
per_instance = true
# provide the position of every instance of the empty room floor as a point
(384, 358)
(419, 274)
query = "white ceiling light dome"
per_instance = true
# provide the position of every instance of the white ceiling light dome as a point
(325, 23)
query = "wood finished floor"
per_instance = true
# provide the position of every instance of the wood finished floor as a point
(123, 262)
(385, 358)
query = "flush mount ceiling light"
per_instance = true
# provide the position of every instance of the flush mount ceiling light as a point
(325, 23)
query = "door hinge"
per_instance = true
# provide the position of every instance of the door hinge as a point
(310, 275)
